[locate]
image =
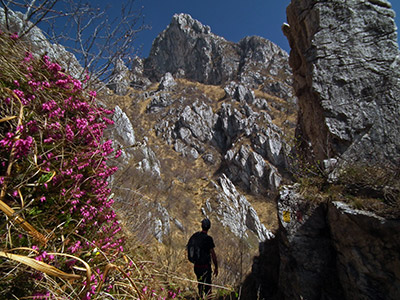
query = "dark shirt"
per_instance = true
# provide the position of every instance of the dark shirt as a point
(206, 244)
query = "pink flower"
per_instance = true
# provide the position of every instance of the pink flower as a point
(77, 84)
(41, 296)
(118, 153)
(23, 146)
(87, 76)
(28, 57)
(75, 247)
(8, 141)
(14, 36)
(50, 105)
(21, 96)
(32, 126)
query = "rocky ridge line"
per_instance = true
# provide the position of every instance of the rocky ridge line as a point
(188, 49)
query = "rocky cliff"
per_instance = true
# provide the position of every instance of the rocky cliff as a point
(345, 62)
(188, 49)
(332, 251)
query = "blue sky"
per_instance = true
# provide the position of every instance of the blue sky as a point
(232, 19)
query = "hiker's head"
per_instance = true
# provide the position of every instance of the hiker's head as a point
(205, 224)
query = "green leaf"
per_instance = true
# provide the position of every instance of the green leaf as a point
(46, 177)
(35, 211)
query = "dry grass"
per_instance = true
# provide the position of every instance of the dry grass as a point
(214, 92)
(364, 187)
(266, 210)
(183, 188)
(283, 113)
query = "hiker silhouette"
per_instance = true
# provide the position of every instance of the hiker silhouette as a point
(200, 252)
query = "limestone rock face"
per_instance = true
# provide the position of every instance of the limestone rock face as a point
(123, 136)
(120, 79)
(262, 62)
(188, 45)
(235, 212)
(123, 127)
(239, 132)
(346, 68)
(330, 251)
(187, 48)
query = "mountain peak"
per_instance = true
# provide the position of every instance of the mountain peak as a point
(187, 48)
(186, 23)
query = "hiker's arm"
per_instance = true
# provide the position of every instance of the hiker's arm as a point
(214, 259)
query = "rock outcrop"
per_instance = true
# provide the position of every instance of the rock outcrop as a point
(188, 49)
(239, 132)
(235, 212)
(331, 251)
(346, 68)
(345, 61)
(120, 79)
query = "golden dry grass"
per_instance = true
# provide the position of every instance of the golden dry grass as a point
(183, 189)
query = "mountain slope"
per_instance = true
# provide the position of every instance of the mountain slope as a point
(216, 125)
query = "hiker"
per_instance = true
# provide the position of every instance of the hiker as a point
(201, 252)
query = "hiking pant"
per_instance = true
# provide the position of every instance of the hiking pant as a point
(203, 274)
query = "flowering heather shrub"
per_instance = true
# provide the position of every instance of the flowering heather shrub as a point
(53, 162)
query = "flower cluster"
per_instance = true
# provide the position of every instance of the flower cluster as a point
(161, 294)
(53, 151)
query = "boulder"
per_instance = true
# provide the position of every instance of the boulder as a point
(235, 212)
(332, 251)
(167, 82)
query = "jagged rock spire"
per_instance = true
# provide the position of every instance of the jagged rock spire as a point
(187, 48)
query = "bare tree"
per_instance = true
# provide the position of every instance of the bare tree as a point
(33, 14)
(96, 39)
